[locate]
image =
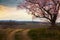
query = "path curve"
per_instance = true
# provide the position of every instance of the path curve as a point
(24, 34)
(11, 35)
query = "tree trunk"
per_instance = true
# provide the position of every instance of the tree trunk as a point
(53, 23)
(53, 20)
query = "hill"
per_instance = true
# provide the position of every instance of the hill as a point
(21, 24)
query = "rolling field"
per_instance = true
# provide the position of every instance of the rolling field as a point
(29, 31)
(30, 34)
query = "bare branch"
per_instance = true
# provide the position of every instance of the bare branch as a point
(42, 17)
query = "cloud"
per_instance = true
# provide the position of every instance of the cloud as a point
(8, 13)
(11, 2)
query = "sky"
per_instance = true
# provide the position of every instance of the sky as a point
(8, 11)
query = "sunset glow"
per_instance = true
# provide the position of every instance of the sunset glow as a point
(8, 13)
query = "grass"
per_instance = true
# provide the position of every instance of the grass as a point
(4, 33)
(34, 34)
(44, 34)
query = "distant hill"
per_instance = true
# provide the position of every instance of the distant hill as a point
(22, 24)
(13, 22)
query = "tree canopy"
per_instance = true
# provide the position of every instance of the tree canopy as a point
(48, 9)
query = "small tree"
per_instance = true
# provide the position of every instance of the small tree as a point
(48, 9)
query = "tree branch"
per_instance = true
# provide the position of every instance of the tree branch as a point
(41, 17)
(46, 11)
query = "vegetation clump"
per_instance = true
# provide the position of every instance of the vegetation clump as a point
(44, 34)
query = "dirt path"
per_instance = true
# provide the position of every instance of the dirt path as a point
(24, 34)
(11, 35)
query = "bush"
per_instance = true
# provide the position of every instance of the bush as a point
(44, 34)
